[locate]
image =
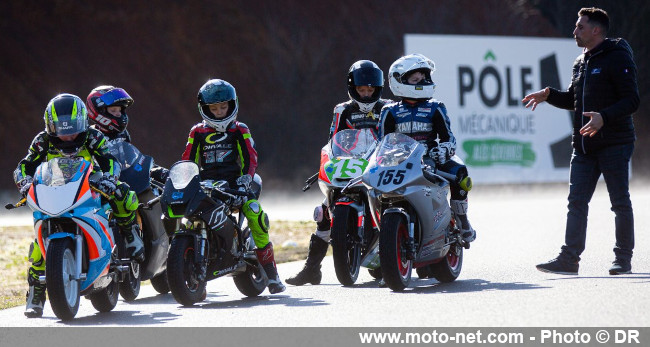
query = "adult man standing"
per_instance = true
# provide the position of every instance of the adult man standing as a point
(603, 95)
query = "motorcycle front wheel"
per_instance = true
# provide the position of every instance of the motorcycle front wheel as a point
(182, 272)
(395, 268)
(346, 249)
(62, 289)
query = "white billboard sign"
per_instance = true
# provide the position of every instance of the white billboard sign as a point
(481, 80)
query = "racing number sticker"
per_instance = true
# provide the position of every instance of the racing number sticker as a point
(391, 176)
(348, 168)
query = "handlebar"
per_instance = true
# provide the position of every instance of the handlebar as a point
(311, 180)
(20, 203)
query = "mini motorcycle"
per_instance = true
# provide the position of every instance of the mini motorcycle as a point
(355, 239)
(211, 242)
(135, 172)
(72, 228)
(418, 228)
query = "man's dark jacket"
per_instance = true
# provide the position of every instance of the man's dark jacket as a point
(604, 81)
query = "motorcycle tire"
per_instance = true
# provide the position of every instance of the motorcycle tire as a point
(252, 282)
(346, 250)
(182, 272)
(375, 273)
(424, 272)
(64, 293)
(160, 283)
(105, 300)
(130, 288)
(395, 268)
(448, 269)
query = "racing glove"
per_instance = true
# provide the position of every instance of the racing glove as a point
(24, 184)
(442, 152)
(107, 184)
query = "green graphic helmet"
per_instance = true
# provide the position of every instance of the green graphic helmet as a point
(66, 121)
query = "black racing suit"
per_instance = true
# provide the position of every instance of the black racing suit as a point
(227, 156)
(347, 115)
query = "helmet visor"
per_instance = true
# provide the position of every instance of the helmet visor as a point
(69, 125)
(115, 96)
(367, 77)
(216, 95)
(67, 118)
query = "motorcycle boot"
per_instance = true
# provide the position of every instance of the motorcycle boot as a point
(311, 273)
(459, 207)
(133, 242)
(35, 295)
(267, 260)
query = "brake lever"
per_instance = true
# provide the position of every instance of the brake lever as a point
(20, 203)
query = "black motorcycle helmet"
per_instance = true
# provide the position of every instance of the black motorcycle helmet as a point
(365, 73)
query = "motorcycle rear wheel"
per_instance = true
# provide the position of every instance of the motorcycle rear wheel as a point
(448, 269)
(62, 290)
(160, 284)
(252, 282)
(375, 273)
(106, 299)
(395, 268)
(130, 288)
(346, 250)
(182, 272)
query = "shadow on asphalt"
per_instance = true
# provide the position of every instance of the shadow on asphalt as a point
(632, 276)
(265, 300)
(126, 318)
(418, 285)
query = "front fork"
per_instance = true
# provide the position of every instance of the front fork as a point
(360, 208)
(200, 257)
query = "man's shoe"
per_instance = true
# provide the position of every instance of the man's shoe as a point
(560, 266)
(620, 267)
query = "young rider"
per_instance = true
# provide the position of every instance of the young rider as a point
(425, 120)
(67, 134)
(365, 84)
(224, 150)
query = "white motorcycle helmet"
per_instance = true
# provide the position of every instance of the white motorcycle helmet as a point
(213, 92)
(402, 68)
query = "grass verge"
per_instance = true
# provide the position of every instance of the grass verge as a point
(16, 241)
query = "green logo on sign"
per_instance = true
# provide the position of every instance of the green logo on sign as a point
(490, 152)
(489, 55)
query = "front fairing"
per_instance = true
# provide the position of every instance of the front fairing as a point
(60, 184)
(79, 212)
(395, 164)
(182, 194)
(136, 166)
(345, 157)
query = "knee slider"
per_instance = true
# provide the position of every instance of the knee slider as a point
(35, 256)
(253, 211)
(319, 213)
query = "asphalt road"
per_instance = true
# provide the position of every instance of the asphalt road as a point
(499, 286)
